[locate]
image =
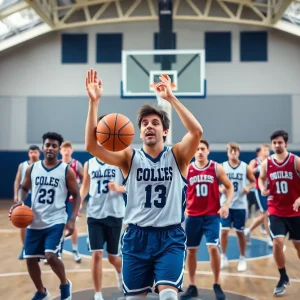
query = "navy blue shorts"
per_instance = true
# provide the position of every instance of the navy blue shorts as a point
(152, 254)
(262, 201)
(27, 201)
(37, 242)
(195, 227)
(235, 219)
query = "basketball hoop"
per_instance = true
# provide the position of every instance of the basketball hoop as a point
(160, 101)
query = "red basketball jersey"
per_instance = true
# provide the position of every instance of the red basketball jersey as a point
(284, 186)
(203, 197)
(74, 165)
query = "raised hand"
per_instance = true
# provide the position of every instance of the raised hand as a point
(93, 86)
(164, 88)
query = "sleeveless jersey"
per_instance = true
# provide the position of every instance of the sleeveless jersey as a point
(24, 167)
(156, 190)
(73, 165)
(103, 202)
(284, 186)
(203, 197)
(49, 195)
(238, 177)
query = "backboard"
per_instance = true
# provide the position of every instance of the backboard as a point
(141, 69)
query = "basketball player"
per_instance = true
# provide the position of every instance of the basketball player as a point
(238, 172)
(50, 181)
(204, 212)
(255, 165)
(66, 151)
(33, 155)
(105, 212)
(153, 244)
(279, 181)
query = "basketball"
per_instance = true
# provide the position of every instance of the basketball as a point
(115, 132)
(22, 216)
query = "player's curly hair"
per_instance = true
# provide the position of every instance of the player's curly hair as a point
(147, 110)
(53, 136)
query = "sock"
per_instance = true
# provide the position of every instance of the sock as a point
(99, 295)
(168, 294)
(283, 273)
(223, 255)
(74, 247)
(119, 275)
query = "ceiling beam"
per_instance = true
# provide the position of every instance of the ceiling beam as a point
(282, 6)
(46, 17)
(12, 9)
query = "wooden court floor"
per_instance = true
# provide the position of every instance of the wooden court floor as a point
(257, 282)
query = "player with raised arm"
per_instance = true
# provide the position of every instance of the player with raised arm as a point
(153, 244)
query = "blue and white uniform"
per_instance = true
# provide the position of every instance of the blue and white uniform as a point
(153, 245)
(49, 196)
(238, 206)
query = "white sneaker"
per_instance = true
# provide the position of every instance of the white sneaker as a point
(242, 266)
(98, 296)
(120, 281)
(77, 257)
(224, 262)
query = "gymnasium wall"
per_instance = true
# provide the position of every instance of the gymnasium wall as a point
(246, 100)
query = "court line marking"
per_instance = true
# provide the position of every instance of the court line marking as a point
(206, 289)
(67, 252)
(9, 231)
(197, 272)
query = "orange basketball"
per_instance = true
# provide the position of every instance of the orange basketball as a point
(22, 216)
(115, 132)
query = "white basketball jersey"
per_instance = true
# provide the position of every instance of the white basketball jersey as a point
(155, 189)
(24, 167)
(49, 195)
(103, 202)
(238, 177)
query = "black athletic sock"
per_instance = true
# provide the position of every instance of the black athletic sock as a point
(283, 273)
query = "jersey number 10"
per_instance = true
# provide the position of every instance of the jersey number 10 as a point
(201, 190)
(282, 187)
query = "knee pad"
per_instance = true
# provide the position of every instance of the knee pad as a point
(168, 294)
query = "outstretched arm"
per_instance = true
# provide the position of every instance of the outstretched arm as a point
(121, 159)
(184, 150)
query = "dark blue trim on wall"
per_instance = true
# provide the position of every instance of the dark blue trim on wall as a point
(218, 46)
(74, 49)
(254, 46)
(109, 47)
